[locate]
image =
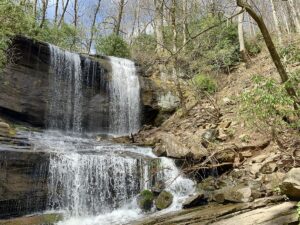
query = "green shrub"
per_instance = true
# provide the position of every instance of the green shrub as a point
(290, 53)
(204, 84)
(113, 45)
(267, 104)
(253, 47)
(217, 49)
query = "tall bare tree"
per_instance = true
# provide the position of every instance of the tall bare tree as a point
(56, 11)
(295, 15)
(121, 5)
(277, 25)
(63, 12)
(159, 24)
(44, 12)
(92, 31)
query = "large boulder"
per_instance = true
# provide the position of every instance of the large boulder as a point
(171, 147)
(145, 200)
(164, 200)
(291, 184)
(233, 194)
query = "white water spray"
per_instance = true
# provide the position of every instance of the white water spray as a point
(124, 97)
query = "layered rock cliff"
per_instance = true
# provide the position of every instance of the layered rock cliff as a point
(24, 85)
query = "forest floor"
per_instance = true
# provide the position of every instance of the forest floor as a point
(213, 144)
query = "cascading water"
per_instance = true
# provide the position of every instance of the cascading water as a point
(124, 97)
(65, 94)
(96, 183)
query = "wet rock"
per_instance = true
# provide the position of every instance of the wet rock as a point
(4, 129)
(158, 187)
(195, 200)
(291, 184)
(164, 200)
(145, 200)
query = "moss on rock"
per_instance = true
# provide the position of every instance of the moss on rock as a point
(164, 200)
(145, 200)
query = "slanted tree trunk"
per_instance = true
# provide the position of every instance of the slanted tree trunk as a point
(63, 13)
(271, 47)
(159, 23)
(93, 25)
(295, 15)
(120, 17)
(276, 21)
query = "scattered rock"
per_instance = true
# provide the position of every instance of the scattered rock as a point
(233, 194)
(170, 146)
(224, 124)
(164, 200)
(210, 135)
(222, 136)
(269, 168)
(195, 200)
(145, 200)
(291, 184)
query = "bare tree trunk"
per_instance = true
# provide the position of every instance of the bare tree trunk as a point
(290, 18)
(271, 47)
(175, 60)
(44, 11)
(295, 15)
(56, 11)
(35, 9)
(63, 13)
(241, 37)
(75, 13)
(93, 25)
(159, 24)
(277, 25)
(184, 24)
(120, 16)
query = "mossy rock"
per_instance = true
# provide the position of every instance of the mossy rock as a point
(164, 200)
(145, 200)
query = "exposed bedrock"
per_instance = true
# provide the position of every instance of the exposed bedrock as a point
(24, 85)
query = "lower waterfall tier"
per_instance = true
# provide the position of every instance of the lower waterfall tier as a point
(83, 178)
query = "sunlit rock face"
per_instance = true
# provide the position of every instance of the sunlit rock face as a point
(41, 83)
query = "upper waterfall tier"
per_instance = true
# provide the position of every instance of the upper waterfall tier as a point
(49, 87)
(73, 82)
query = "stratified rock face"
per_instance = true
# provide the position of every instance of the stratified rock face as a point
(23, 182)
(27, 91)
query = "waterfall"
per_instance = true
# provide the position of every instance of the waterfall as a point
(73, 82)
(124, 97)
(90, 183)
(97, 182)
(65, 91)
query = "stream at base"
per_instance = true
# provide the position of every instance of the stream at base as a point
(97, 183)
